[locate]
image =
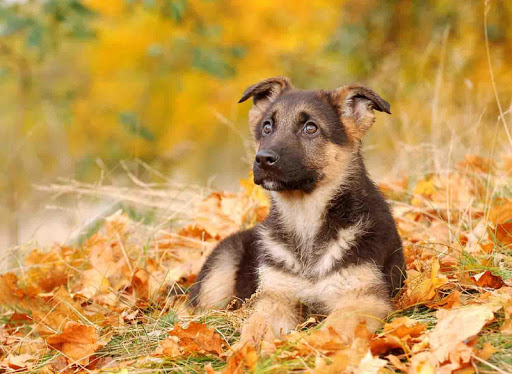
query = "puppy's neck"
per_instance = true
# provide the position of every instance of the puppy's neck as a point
(302, 214)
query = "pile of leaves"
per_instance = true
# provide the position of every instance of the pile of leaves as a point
(118, 303)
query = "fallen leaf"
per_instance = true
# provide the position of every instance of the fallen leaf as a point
(324, 339)
(501, 211)
(337, 363)
(58, 364)
(208, 368)
(405, 326)
(486, 351)
(454, 326)
(140, 283)
(385, 344)
(487, 279)
(447, 302)
(47, 270)
(10, 294)
(504, 233)
(56, 313)
(395, 361)
(244, 358)
(423, 363)
(396, 335)
(370, 364)
(197, 337)
(422, 287)
(77, 342)
(169, 347)
(477, 164)
(459, 359)
(18, 362)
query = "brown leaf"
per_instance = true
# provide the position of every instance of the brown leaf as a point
(47, 270)
(405, 326)
(456, 325)
(385, 344)
(504, 233)
(56, 313)
(18, 362)
(501, 212)
(447, 302)
(244, 358)
(208, 368)
(395, 361)
(334, 364)
(488, 280)
(77, 342)
(396, 335)
(194, 231)
(169, 347)
(423, 363)
(140, 283)
(325, 339)
(486, 351)
(197, 337)
(10, 294)
(477, 164)
(370, 364)
(58, 364)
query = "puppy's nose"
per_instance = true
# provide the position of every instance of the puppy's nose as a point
(266, 158)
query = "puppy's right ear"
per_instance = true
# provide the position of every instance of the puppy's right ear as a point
(263, 94)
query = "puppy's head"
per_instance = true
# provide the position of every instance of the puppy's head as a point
(306, 138)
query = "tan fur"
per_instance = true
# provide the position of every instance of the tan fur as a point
(274, 315)
(353, 278)
(357, 118)
(344, 295)
(354, 308)
(276, 87)
(218, 288)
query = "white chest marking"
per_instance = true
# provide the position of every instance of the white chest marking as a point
(337, 248)
(278, 252)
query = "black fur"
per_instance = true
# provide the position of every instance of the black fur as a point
(243, 249)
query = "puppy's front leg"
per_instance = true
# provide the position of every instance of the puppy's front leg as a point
(357, 307)
(273, 315)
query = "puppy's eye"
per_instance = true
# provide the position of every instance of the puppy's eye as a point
(310, 128)
(267, 128)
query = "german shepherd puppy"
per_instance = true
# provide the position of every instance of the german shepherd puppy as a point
(330, 241)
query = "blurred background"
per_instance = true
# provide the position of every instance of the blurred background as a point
(121, 92)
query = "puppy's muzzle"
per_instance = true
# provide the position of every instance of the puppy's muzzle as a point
(266, 159)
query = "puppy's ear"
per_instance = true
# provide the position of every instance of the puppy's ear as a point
(355, 104)
(263, 94)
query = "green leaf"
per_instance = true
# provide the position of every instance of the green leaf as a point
(35, 36)
(212, 62)
(134, 127)
(174, 9)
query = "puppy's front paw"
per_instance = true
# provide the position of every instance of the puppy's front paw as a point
(256, 330)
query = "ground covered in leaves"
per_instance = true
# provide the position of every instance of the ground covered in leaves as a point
(117, 302)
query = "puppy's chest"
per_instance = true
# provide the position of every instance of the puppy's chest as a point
(312, 254)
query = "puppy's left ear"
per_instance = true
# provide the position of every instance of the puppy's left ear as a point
(355, 104)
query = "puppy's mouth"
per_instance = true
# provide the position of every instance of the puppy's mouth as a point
(271, 184)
